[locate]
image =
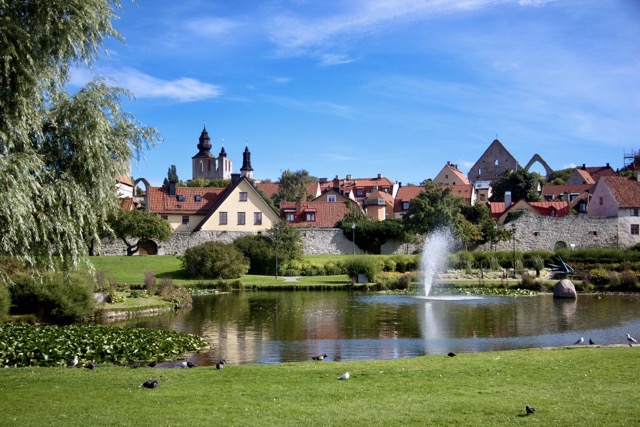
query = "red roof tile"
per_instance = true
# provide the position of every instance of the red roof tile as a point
(406, 194)
(625, 191)
(160, 202)
(327, 214)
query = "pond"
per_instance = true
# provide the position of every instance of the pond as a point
(273, 327)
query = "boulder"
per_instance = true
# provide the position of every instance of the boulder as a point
(565, 289)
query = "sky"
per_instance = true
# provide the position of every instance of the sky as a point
(368, 87)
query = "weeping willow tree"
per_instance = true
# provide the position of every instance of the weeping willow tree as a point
(59, 152)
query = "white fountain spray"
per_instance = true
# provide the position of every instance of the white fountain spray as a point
(434, 257)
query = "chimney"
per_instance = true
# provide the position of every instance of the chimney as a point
(336, 182)
(584, 166)
(608, 165)
(507, 199)
(379, 175)
(172, 188)
(348, 177)
(298, 205)
(235, 177)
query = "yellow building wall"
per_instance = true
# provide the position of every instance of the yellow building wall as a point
(175, 221)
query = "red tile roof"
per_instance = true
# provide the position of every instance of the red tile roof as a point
(327, 214)
(160, 202)
(268, 188)
(598, 172)
(558, 190)
(625, 191)
(406, 194)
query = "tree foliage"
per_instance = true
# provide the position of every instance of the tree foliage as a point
(293, 184)
(215, 260)
(435, 207)
(59, 152)
(370, 235)
(172, 176)
(139, 226)
(288, 240)
(213, 183)
(522, 184)
(261, 252)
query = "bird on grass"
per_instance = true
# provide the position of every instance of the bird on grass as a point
(631, 340)
(591, 341)
(183, 364)
(220, 364)
(152, 364)
(150, 383)
(190, 364)
(135, 365)
(74, 361)
(530, 409)
(580, 341)
(320, 357)
(90, 366)
(344, 376)
(451, 354)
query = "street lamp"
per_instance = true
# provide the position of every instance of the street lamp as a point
(353, 236)
(514, 249)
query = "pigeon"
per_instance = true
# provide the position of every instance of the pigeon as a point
(190, 364)
(344, 376)
(580, 341)
(220, 364)
(530, 409)
(135, 365)
(90, 366)
(152, 364)
(150, 383)
(591, 341)
(451, 354)
(74, 362)
(319, 357)
(631, 340)
(183, 364)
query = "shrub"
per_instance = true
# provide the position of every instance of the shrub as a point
(628, 281)
(52, 296)
(363, 264)
(215, 260)
(260, 251)
(150, 283)
(332, 269)
(599, 277)
(138, 293)
(5, 299)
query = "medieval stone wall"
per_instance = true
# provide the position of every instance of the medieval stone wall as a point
(533, 232)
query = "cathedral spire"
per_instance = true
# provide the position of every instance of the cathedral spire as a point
(246, 169)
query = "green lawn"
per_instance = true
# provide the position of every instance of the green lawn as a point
(568, 387)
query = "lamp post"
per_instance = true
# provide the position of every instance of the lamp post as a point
(514, 250)
(353, 236)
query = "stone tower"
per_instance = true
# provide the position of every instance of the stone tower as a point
(206, 165)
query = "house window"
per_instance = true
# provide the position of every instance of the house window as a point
(257, 218)
(405, 206)
(311, 216)
(331, 198)
(243, 196)
(600, 201)
(180, 198)
(185, 219)
(582, 207)
(290, 216)
(198, 198)
(634, 211)
(575, 180)
(164, 217)
(241, 218)
(635, 229)
(360, 192)
(223, 218)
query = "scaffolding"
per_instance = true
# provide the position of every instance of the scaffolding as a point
(630, 157)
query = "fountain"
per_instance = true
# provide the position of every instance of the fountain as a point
(434, 259)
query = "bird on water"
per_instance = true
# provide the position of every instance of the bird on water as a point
(320, 357)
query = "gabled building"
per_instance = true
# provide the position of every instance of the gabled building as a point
(358, 188)
(451, 177)
(618, 197)
(493, 163)
(596, 172)
(403, 199)
(378, 205)
(238, 207)
(322, 212)
(548, 209)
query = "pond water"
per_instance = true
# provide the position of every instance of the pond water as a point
(273, 327)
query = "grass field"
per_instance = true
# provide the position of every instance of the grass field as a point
(568, 387)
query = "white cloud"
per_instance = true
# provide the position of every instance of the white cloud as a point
(142, 85)
(213, 27)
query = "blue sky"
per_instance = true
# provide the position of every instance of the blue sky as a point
(397, 87)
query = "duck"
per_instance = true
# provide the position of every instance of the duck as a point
(320, 357)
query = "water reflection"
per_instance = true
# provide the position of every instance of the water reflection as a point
(272, 327)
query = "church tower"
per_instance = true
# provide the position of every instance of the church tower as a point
(246, 170)
(206, 165)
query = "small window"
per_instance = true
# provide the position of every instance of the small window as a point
(257, 218)
(405, 206)
(446, 177)
(290, 216)
(634, 212)
(360, 192)
(241, 218)
(496, 162)
(185, 219)
(243, 196)
(198, 197)
(582, 207)
(575, 181)
(635, 229)
(164, 217)
(180, 198)
(311, 216)
(331, 198)
(223, 218)
(600, 201)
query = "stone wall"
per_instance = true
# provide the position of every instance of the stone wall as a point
(532, 232)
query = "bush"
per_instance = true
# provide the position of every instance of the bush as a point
(5, 299)
(363, 264)
(52, 296)
(599, 277)
(260, 251)
(215, 260)
(150, 283)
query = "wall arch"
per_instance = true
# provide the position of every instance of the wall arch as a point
(537, 158)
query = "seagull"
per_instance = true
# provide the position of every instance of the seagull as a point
(74, 362)
(451, 354)
(150, 383)
(580, 341)
(591, 341)
(631, 340)
(344, 376)
(190, 364)
(529, 409)
(91, 366)
(183, 364)
(319, 357)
